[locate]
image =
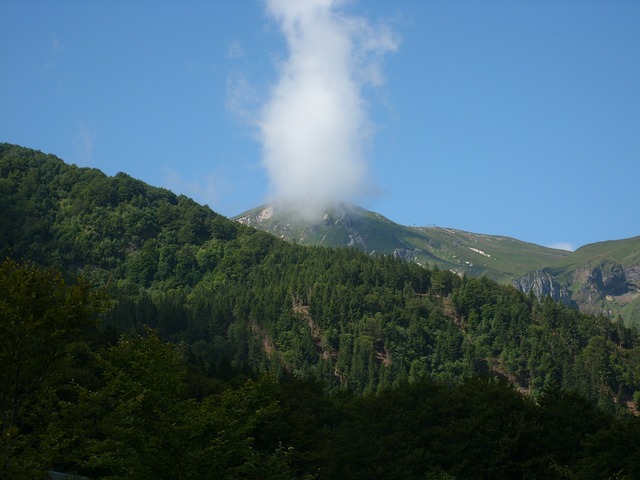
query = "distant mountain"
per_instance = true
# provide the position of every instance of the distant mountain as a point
(497, 257)
(601, 278)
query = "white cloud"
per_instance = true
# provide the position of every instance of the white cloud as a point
(315, 126)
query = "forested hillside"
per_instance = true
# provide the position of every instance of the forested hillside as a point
(79, 400)
(241, 303)
(242, 298)
(602, 278)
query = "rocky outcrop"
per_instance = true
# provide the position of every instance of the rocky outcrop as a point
(632, 274)
(408, 254)
(605, 282)
(607, 279)
(595, 288)
(543, 284)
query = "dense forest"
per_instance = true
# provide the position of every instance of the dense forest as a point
(80, 399)
(145, 336)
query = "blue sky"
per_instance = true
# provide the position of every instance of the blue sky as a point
(512, 118)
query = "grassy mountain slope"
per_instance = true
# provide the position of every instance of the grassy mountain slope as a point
(239, 298)
(475, 254)
(498, 257)
(604, 277)
(624, 252)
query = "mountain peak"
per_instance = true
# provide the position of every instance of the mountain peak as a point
(527, 266)
(341, 212)
(347, 225)
(341, 225)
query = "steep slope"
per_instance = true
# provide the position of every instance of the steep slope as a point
(238, 298)
(601, 278)
(105, 227)
(497, 257)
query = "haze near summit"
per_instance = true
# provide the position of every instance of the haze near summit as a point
(314, 128)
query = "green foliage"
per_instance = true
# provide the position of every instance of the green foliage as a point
(612, 452)
(137, 423)
(125, 409)
(43, 324)
(104, 227)
(242, 300)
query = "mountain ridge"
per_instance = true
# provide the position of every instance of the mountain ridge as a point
(598, 278)
(457, 250)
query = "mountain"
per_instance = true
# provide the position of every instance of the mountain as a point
(601, 278)
(139, 368)
(239, 299)
(497, 257)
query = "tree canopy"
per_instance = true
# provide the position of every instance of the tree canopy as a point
(243, 355)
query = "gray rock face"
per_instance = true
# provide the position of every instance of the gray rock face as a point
(595, 286)
(632, 274)
(609, 278)
(407, 254)
(543, 284)
(605, 281)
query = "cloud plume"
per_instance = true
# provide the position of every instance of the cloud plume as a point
(314, 128)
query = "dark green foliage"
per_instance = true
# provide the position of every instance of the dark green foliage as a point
(612, 452)
(481, 429)
(242, 300)
(135, 408)
(44, 325)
